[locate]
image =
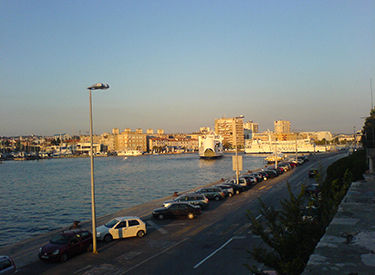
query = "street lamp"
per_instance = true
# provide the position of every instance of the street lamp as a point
(97, 86)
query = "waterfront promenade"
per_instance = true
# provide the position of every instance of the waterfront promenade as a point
(347, 247)
(26, 252)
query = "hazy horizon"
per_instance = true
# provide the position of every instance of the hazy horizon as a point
(179, 65)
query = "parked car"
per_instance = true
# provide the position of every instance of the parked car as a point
(236, 188)
(121, 227)
(176, 210)
(65, 245)
(7, 265)
(212, 193)
(192, 198)
(258, 176)
(265, 175)
(251, 179)
(310, 213)
(312, 189)
(227, 189)
(312, 172)
(272, 173)
(245, 183)
(284, 165)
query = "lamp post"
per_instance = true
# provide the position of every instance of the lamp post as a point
(97, 86)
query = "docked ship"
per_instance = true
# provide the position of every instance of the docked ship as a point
(284, 146)
(129, 153)
(275, 157)
(211, 146)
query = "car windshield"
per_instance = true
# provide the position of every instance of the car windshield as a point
(60, 239)
(111, 223)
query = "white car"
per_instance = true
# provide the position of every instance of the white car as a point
(121, 227)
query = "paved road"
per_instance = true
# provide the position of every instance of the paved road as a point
(214, 243)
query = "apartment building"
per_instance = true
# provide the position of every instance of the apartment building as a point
(132, 140)
(282, 126)
(162, 143)
(231, 129)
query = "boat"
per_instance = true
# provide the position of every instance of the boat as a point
(210, 146)
(129, 153)
(257, 146)
(275, 157)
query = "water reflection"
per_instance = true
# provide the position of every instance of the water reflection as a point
(52, 193)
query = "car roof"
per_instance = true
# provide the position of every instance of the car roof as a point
(73, 231)
(181, 202)
(192, 194)
(120, 219)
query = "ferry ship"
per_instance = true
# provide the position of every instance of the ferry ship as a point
(210, 146)
(257, 146)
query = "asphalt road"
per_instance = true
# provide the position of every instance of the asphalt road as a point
(214, 243)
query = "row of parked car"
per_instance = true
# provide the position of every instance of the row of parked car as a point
(71, 242)
(190, 205)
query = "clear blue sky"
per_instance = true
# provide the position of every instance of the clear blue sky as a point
(179, 65)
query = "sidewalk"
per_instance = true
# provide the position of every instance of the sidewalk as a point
(348, 246)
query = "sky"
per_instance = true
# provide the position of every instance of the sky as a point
(179, 65)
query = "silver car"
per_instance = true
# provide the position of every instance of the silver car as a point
(191, 198)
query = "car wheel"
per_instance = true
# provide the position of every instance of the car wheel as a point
(90, 248)
(230, 195)
(161, 216)
(238, 192)
(190, 216)
(107, 238)
(64, 257)
(217, 198)
(140, 233)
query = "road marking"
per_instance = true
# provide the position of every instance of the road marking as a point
(141, 263)
(127, 256)
(217, 250)
(187, 228)
(157, 227)
(260, 188)
(230, 228)
(199, 229)
(242, 229)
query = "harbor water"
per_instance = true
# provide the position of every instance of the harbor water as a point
(42, 195)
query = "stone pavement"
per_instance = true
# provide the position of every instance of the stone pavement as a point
(348, 246)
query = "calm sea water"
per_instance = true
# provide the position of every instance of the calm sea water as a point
(44, 195)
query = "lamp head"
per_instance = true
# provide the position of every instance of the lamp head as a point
(98, 86)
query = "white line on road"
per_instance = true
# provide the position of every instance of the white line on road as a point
(157, 227)
(217, 250)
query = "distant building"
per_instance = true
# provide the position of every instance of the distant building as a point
(115, 131)
(205, 130)
(282, 126)
(231, 129)
(250, 128)
(250, 125)
(132, 140)
(160, 144)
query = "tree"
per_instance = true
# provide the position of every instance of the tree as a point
(369, 131)
(290, 237)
